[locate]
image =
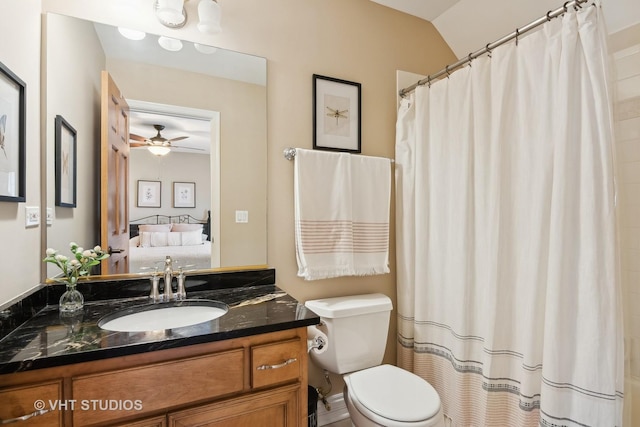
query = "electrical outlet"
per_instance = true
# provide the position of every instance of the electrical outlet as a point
(242, 217)
(32, 216)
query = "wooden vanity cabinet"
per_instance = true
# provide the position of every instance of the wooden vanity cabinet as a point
(259, 380)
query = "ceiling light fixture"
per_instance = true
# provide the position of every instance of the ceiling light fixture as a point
(159, 150)
(209, 16)
(171, 13)
(132, 34)
(170, 44)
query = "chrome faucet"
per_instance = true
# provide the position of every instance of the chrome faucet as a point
(168, 278)
(155, 281)
(181, 293)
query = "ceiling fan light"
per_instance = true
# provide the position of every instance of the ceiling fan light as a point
(132, 34)
(169, 43)
(159, 150)
(209, 16)
(206, 49)
(171, 13)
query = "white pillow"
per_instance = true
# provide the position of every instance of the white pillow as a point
(134, 241)
(191, 238)
(154, 227)
(159, 239)
(145, 239)
(174, 239)
(186, 227)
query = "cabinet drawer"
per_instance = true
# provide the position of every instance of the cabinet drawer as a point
(21, 401)
(277, 407)
(158, 386)
(275, 363)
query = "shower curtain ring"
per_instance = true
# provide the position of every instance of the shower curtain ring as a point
(488, 49)
(548, 17)
(470, 57)
(429, 81)
(517, 36)
(447, 70)
(564, 6)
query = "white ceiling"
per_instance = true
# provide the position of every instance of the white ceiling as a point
(468, 25)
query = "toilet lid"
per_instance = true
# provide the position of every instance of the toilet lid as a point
(393, 393)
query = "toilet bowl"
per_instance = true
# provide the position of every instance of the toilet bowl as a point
(355, 331)
(389, 396)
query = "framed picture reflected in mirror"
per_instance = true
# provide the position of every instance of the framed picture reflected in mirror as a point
(66, 163)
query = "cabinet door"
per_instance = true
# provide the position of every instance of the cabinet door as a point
(160, 421)
(273, 408)
(31, 406)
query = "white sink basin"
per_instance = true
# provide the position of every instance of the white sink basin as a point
(169, 315)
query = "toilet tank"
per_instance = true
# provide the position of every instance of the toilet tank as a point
(356, 328)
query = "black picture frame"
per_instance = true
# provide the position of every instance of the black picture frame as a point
(337, 114)
(149, 194)
(66, 166)
(12, 136)
(184, 194)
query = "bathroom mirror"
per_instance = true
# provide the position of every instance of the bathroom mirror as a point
(194, 94)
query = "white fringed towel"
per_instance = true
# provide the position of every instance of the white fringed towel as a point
(341, 214)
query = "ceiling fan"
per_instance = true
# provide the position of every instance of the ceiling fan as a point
(158, 144)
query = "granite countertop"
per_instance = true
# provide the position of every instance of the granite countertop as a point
(49, 339)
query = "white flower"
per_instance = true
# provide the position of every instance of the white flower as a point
(78, 265)
(97, 249)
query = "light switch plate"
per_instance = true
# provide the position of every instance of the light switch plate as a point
(32, 216)
(49, 216)
(242, 217)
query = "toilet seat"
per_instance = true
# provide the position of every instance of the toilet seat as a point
(392, 396)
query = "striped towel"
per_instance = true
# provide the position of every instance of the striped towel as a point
(341, 214)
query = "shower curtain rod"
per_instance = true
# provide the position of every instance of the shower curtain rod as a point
(490, 46)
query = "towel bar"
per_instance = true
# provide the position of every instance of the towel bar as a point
(290, 154)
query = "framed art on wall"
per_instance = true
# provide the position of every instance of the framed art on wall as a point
(149, 194)
(66, 163)
(12, 136)
(336, 114)
(184, 194)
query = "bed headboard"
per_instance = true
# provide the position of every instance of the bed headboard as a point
(171, 219)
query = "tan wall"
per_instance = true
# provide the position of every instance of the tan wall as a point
(20, 256)
(76, 97)
(625, 47)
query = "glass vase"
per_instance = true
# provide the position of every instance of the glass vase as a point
(72, 300)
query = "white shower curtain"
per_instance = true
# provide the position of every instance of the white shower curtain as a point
(508, 295)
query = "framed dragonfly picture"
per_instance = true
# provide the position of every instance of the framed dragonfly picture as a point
(336, 114)
(66, 163)
(12, 136)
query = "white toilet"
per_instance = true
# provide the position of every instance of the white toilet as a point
(356, 330)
